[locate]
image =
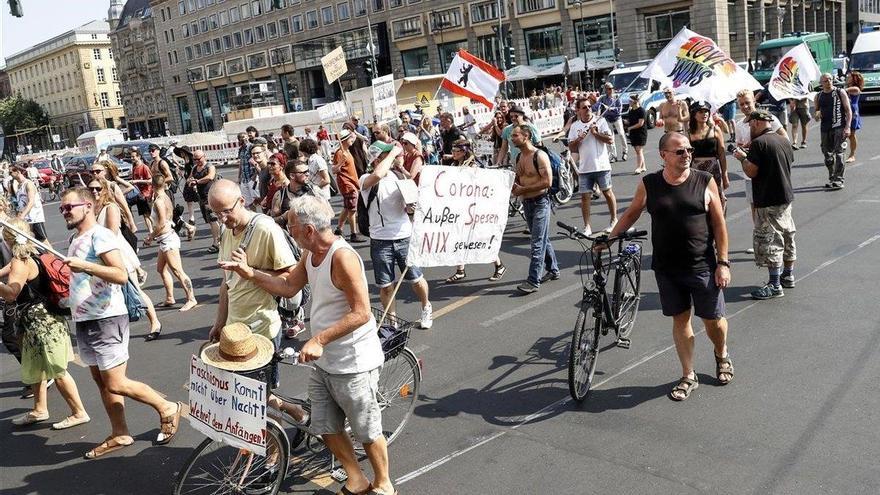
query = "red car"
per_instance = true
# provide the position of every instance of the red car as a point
(47, 175)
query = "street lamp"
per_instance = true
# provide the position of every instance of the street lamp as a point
(581, 34)
(613, 41)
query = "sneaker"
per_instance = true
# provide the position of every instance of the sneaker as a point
(27, 392)
(795, 147)
(587, 231)
(427, 320)
(337, 232)
(527, 288)
(750, 251)
(611, 225)
(767, 292)
(829, 185)
(293, 329)
(837, 185)
(787, 281)
(623, 158)
(549, 276)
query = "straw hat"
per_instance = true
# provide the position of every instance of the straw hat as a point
(239, 349)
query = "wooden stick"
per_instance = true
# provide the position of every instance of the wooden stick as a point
(393, 295)
(40, 245)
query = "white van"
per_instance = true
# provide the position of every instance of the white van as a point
(99, 140)
(865, 58)
(626, 81)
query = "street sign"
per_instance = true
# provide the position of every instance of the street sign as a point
(56, 138)
(384, 98)
(334, 64)
(424, 98)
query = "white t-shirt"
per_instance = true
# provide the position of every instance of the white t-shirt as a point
(593, 154)
(744, 134)
(388, 218)
(93, 298)
(316, 165)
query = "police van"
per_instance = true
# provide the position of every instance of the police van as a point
(626, 81)
(865, 58)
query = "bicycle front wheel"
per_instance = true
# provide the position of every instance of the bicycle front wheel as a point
(584, 351)
(627, 281)
(218, 468)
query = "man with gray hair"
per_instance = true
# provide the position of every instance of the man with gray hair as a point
(834, 113)
(344, 343)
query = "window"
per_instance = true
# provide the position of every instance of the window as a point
(284, 27)
(256, 8)
(297, 23)
(448, 51)
(105, 99)
(214, 23)
(203, 25)
(393, 4)
(119, 97)
(312, 19)
(183, 113)
(257, 61)
(224, 17)
(405, 28)
(176, 61)
(197, 50)
(445, 19)
(249, 36)
(194, 28)
(529, 6)
(342, 11)
(170, 62)
(172, 35)
(94, 36)
(544, 46)
(360, 8)
(486, 11)
(167, 38)
(217, 46)
(188, 51)
(181, 7)
(235, 66)
(593, 36)
(415, 62)
(487, 49)
(260, 34)
(245, 11)
(114, 74)
(214, 70)
(660, 28)
(272, 30)
(185, 29)
(378, 5)
(327, 15)
(279, 56)
(96, 53)
(227, 42)
(236, 36)
(234, 15)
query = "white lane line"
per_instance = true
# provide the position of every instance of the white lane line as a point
(443, 460)
(876, 157)
(868, 201)
(533, 304)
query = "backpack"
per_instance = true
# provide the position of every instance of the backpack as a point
(363, 210)
(556, 164)
(56, 282)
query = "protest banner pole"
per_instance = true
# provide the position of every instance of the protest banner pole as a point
(393, 295)
(40, 245)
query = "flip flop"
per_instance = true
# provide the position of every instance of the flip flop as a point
(70, 422)
(168, 426)
(107, 446)
(166, 304)
(346, 491)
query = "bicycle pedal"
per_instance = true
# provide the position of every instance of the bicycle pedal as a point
(623, 343)
(339, 475)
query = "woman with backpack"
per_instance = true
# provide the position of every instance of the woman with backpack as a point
(169, 248)
(45, 343)
(108, 215)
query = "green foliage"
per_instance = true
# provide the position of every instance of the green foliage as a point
(17, 113)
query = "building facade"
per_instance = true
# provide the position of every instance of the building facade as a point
(5, 87)
(73, 76)
(218, 56)
(133, 36)
(861, 14)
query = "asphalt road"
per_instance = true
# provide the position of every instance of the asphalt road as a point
(494, 415)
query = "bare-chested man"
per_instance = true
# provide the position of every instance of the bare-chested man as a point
(533, 180)
(673, 112)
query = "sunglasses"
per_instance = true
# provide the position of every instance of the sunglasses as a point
(96, 189)
(96, 171)
(68, 207)
(682, 151)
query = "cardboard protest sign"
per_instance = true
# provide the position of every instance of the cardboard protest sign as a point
(333, 111)
(227, 407)
(384, 98)
(461, 216)
(334, 64)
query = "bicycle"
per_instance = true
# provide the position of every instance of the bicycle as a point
(605, 312)
(217, 468)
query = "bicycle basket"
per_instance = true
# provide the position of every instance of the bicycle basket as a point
(393, 333)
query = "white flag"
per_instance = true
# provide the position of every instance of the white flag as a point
(694, 65)
(794, 73)
(473, 77)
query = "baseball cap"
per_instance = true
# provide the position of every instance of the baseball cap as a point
(410, 138)
(699, 105)
(516, 109)
(153, 147)
(760, 115)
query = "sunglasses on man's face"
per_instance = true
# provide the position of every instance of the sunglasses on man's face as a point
(682, 151)
(70, 206)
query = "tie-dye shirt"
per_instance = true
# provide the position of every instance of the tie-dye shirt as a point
(93, 298)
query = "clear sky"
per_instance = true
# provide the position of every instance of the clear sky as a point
(44, 19)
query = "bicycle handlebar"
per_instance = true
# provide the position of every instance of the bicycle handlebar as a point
(629, 234)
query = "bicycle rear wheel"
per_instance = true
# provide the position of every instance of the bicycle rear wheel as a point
(218, 468)
(584, 351)
(627, 281)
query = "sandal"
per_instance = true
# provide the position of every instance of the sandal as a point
(168, 426)
(458, 275)
(499, 272)
(724, 370)
(213, 249)
(345, 491)
(107, 446)
(685, 386)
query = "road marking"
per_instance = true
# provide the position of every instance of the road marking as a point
(457, 304)
(868, 201)
(443, 460)
(533, 304)
(877, 157)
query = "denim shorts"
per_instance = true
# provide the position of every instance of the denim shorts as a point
(385, 254)
(587, 181)
(679, 291)
(351, 396)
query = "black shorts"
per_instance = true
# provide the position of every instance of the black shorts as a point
(143, 207)
(681, 291)
(39, 231)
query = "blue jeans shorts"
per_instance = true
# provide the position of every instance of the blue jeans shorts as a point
(587, 181)
(385, 254)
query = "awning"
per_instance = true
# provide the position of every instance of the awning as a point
(521, 73)
(577, 64)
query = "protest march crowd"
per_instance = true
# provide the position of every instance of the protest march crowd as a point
(275, 232)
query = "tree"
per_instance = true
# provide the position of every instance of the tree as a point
(19, 114)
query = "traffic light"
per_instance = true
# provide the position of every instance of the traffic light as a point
(368, 67)
(510, 57)
(15, 8)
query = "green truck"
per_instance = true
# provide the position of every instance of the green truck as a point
(770, 51)
(865, 58)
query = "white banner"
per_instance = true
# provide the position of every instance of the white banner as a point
(227, 407)
(460, 217)
(384, 99)
(333, 111)
(694, 65)
(793, 75)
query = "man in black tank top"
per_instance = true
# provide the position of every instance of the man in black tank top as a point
(690, 262)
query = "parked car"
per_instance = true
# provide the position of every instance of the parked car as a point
(78, 169)
(122, 151)
(46, 173)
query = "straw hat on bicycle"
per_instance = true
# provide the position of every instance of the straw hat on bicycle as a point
(239, 349)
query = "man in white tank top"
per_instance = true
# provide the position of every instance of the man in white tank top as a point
(344, 343)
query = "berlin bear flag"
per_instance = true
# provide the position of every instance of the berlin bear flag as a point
(693, 65)
(794, 73)
(473, 77)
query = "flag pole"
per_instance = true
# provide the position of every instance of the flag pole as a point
(39, 244)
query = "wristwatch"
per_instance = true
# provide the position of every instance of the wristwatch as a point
(723, 263)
